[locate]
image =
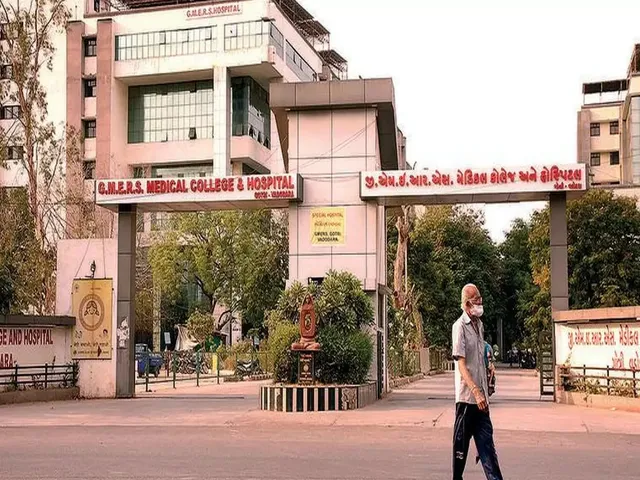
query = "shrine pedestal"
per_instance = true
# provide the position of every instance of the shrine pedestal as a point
(306, 367)
(316, 398)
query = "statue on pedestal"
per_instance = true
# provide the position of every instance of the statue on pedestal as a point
(307, 321)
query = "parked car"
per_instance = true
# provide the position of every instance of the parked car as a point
(144, 355)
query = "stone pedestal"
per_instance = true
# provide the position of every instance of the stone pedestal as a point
(306, 367)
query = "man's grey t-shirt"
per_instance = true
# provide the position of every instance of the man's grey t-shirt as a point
(470, 345)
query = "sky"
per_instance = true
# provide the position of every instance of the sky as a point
(482, 83)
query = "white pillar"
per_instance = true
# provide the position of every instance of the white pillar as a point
(221, 122)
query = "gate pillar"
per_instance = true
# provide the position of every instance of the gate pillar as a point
(125, 309)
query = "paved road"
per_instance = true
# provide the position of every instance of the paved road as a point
(288, 453)
(217, 432)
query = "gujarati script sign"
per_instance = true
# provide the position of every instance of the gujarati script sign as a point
(554, 178)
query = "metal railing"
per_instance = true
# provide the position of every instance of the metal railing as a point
(38, 377)
(183, 366)
(404, 363)
(439, 360)
(622, 382)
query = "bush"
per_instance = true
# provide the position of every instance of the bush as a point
(345, 358)
(342, 309)
(281, 336)
(342, 303)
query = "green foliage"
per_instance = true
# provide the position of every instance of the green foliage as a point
(201, 325)
(448, 248)
(25, 266)
(281, 336)
(342, 309)
(237, 259)
(604, 248)
(517, 285)
(345, 357)
(343, 304)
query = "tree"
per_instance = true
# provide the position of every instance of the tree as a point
(42, 150)
(22, 262)
(449, 248)
(145, 299)
(516, 283)
(406, 323)
(237, 260)
(603, 252)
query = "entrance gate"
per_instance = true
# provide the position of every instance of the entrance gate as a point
(546, 365)
(360, 174)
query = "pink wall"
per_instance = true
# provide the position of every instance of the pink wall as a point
(104, 77)
(329, 149)
(97, 378)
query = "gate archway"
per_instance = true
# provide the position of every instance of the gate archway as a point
(342, 150)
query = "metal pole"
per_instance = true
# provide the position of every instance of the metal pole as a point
(46, 375)
(217, 368)
(146, 373)
(197, 369)
(174, 372)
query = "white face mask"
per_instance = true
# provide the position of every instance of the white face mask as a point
(476, 310)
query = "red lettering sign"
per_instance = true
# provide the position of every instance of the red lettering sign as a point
(214, 11)
(470, 180)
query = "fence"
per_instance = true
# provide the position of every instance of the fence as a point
(38, 377)
(439, 360)
(621, 382)
(403, 363)
(407, 362)
(180, 366)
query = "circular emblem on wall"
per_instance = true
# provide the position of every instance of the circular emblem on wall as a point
(91, 312)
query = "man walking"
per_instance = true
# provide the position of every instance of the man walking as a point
(472, 391)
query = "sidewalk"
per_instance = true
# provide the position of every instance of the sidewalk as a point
(427, 404)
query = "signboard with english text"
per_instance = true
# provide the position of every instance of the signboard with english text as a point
(215, 10)
(192, 194)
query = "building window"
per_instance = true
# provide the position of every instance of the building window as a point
(614, 158)
(89, 169)
(193, 170)
(595, 159)
(6, 72)
(90, 47)
(89, 129)
(277, 40)
(298, 64)
(90, 87)
(10, 112)
(614, 128)
(595, 129)
(169, 112)
(15, 152)
(250, 110)
(138, 172)
(166, 43)
(238, 36)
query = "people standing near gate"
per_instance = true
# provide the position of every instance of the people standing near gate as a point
(472, 389)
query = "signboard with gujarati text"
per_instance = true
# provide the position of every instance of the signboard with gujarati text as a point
(474, 181)
(615, 345)
(91, 299)
(328, 226)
